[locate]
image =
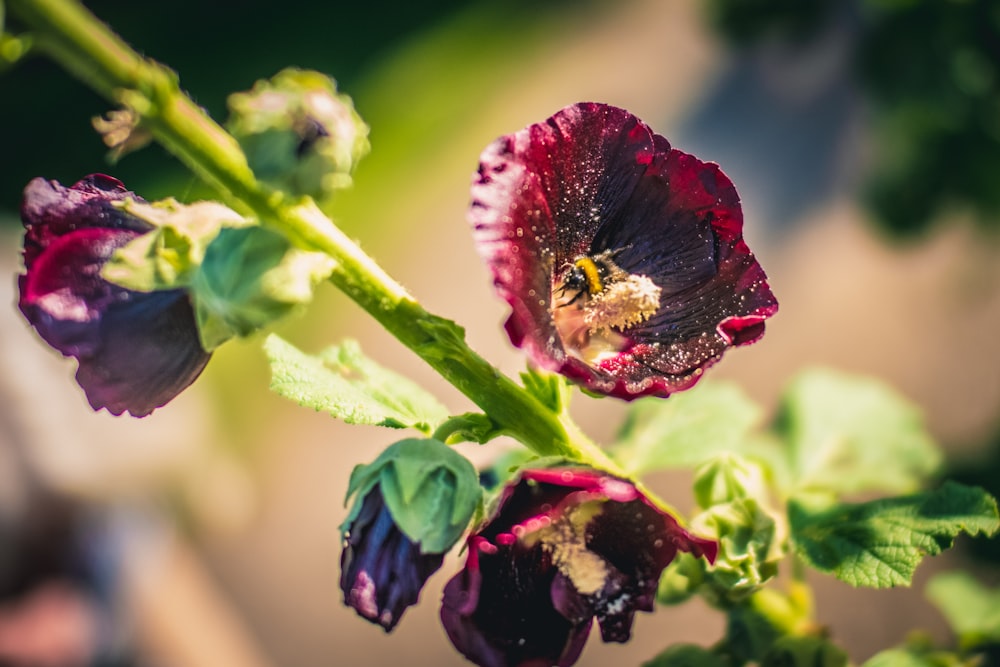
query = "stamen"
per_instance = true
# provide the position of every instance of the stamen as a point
(622, 304)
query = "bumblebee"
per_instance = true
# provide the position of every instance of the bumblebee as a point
(588, 276)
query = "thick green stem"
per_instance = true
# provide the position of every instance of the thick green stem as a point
(88, 49)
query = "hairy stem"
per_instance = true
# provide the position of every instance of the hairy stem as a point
(84, 46)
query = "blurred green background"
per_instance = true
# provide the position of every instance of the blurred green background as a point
(218, 48)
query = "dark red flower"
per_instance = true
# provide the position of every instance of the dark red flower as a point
(565, 546)
(381, 569)
(136, 350)
(622, 258)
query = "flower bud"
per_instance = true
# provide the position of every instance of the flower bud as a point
(298, 133)
(413, 503)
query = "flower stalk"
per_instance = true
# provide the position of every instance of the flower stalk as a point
(84, 46)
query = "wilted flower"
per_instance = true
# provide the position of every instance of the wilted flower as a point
(136, 350)
(564, 546)
(622, 258)
(413, 503)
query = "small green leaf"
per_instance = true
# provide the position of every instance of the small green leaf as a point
(170, 255)
(805, 651)
(551, 389)
(345, 384)
(850, 434)
(686, 430)
(446, 339)
(972, 610)
(687, 655)
(469, 427)
(879, 544)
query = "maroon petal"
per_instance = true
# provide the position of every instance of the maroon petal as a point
(594, 179)
(136, 351)
(533, 584)
(498, 611)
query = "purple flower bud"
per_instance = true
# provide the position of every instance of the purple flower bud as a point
(136, 350)
(381, 569)
(564, 546)
(622, 258)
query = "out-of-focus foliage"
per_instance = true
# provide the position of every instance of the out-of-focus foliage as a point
(217, 48)
(930, 74)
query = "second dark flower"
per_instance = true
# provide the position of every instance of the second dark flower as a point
(136, 350)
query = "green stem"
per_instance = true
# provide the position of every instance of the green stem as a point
(87, 48)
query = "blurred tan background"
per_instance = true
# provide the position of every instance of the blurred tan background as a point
(222, 509)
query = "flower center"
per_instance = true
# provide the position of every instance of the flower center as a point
(595, 301)
(565, 539)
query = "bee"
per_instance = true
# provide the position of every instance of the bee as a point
(588, 276)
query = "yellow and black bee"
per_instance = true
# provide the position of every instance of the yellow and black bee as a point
(589, 275)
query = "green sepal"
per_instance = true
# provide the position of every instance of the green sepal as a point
(250, 277)
(689, 429)
(299, 134)
(430, 490)
(972, 610)
(169, 256)
(688, 655)
(879, 544)
(750, 547)
(751, 536)
(345, 384)
(729, 477)
(847, 434)
(681, 579)
(804, 651)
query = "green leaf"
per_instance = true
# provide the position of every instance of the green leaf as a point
(345, 384)
(805, 651)
(972, 610)
(250, 277)
(430, 490)
(849, 434)
(686, 430)
(898, 657)
(920, 654)
(687, 655)
(879, 544)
